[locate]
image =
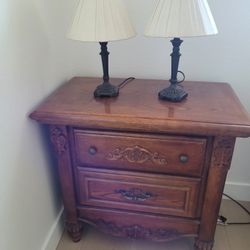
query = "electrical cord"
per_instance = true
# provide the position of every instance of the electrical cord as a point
(183, 75)
(222, 220)
(125, 82)
(244, 208)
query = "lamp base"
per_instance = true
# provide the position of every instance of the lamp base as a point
(174, 93)
(106, 90)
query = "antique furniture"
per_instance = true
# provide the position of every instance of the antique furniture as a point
(175, 19)
(135, 166)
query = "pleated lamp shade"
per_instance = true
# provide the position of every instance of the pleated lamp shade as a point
(181, 18)
(101, 21)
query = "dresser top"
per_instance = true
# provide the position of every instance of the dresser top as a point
(210, 109)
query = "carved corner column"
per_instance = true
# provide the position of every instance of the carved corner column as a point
(60, 140)
(223, 148)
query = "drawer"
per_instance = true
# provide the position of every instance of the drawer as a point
(152, 193)
(164, 154)
(138, 226)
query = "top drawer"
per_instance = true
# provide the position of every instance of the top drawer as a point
(152, 153)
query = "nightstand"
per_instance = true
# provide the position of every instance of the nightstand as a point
(137, 167)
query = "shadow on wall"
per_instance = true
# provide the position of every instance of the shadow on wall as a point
(30, 199)
(52, 166)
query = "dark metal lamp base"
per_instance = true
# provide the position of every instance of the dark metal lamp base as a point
(174, 93)
(106, 90)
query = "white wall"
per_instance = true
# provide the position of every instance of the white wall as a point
(36, 57)
(29, 195)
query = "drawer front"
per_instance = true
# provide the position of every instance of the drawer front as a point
(138, 226)
(139, 192)
(165, 154)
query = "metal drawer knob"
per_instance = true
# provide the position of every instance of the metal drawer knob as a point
(92, 150)
(184, 158)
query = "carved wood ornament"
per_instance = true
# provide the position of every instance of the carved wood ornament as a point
(203, 245)
(75, 230)
(136, 154)
(137, 231)
(135, 194)
(58, 136)
(223, 152)
(74, 227)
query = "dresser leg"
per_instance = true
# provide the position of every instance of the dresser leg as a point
(220, 163)
(60, 139)
(74, 230)
(203, 245)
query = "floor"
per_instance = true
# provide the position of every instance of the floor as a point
(226, 238)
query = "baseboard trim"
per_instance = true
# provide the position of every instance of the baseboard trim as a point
(55, 233)
(239, 191)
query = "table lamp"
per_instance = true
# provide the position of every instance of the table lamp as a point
(102, 21)
(175, 19)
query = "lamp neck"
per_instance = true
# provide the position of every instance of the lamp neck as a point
(105, 61)
(176, 42)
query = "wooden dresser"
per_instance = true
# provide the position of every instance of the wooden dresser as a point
(137, 167)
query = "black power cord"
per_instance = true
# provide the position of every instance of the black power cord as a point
(125, 82)
(222, 220)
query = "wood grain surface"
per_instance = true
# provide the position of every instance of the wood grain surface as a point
(141, 168)
(210, 109)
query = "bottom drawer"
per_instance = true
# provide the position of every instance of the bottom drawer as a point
(152, 193)
(138, 226)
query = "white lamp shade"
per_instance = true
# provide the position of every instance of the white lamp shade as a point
(181, 18)
(101, 21)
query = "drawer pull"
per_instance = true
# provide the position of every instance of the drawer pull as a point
(184, 158)
(135, 194)
(92, 150)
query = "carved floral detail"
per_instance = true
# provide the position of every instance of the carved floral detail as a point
(136, 154)
(74, 230)
(74, 227)
(137, 231)
(203, 245)
(223, 151)
(59, 139)
(135, 194)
